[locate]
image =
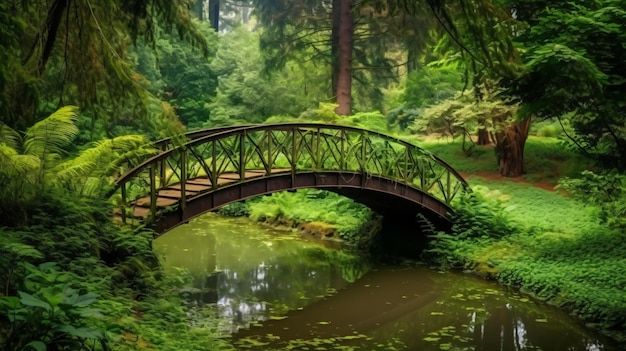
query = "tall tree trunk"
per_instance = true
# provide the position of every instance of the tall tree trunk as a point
(334, 46)
(510, 148)
(483, 137)
(49, 34)
(214, 14)
(198, 9)
(344, 74)
(245, 14)
(411, 62)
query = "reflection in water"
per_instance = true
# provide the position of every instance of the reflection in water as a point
(252, 274)
(414, 308)
(275, 291)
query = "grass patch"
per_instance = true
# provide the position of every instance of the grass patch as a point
(482, 158)
(545, 158)
(530, 206)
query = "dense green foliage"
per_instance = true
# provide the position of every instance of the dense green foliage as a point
(180, 75)
(38, 162)
(606, 192)
(574, 72)
(74, 280)
(58, 53)
(246, 95)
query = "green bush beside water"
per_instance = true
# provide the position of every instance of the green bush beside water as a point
(73, 280)
(352, 221)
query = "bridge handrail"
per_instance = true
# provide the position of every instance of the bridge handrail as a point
(227, 158)
(223, 132)
(195, 134)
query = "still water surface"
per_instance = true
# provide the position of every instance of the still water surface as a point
(274, 290)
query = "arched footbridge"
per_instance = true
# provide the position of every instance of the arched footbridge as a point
(215, 167)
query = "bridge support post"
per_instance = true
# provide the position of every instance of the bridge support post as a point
(153, 192)
(270, 158)
(183, 180)
(294, 155)
(124, 202)
(363, 160)
(161, 165)
(242, 156)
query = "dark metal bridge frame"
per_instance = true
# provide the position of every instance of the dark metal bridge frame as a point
(215, 167)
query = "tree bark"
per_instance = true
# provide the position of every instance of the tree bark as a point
(49, 36)
(334, 46)
(510, 148)
(245, 14)
(198, 9)
(483, 137)
(411, 62)
(344, 74)
(214, 14)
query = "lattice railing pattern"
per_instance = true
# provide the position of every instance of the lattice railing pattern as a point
(235, 151)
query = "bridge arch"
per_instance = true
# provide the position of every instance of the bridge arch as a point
(225, 165)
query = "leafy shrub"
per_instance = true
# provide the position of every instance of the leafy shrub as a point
(235, 209)
(50, 314)
(548, 128)
(606, 191)
(477, 221)
(477, 217)
(367, 120)
(403, 116)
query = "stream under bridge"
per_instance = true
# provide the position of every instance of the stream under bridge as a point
(207, 169)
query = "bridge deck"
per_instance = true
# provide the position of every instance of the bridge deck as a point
(171, 194)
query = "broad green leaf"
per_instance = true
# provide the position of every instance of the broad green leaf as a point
(30, 300)
(37, 345)
(11, 302)
(86, 299)
(84, 333)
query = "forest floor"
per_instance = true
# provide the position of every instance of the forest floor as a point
(493, 177)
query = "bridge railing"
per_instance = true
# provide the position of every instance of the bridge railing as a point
(237, 154)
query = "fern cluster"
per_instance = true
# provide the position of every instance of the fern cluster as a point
(40, 161)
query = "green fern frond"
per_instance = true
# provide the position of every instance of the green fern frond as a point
(100, 160)
(93, 186)
(13, 164)
(49, 136)
(10, 137)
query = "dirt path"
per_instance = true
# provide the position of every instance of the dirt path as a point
(496, 177)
